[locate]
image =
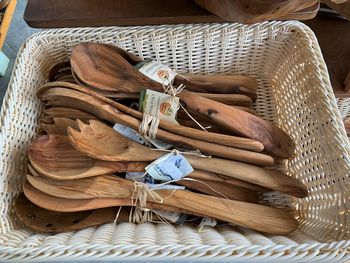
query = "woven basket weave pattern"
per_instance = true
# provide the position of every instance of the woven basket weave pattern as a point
(294, 92)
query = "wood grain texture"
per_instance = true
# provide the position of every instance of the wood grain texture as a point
(58, 204)
(70, 98)
(220, 189)
(45, 221)
(102, 142)
(253, 11)
(257, 217)
(104, 67)
(275, 140)
(53, 156)
(222, 139)
(82, 13)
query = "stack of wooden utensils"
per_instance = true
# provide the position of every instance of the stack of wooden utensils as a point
(78, 162)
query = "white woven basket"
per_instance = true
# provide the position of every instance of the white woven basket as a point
(294, 92)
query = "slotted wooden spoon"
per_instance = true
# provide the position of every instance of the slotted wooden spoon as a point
(46, 221)
(100, 141)
(257, 217)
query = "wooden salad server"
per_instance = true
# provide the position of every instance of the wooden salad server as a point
(97, 140)
(61, 96)
(62, 204)
(59, 126)
(275, 140)
(70, 113)
(54, 156)
(258, 217)
(46, 221)
(45, 94)
(102, 67)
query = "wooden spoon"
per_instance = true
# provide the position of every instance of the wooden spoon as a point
(210, 176)
(220, 189)
(103, 67)
(58, 204)
(71, 113)
(102, 142)
(45, 93)
(46, 221)
(219, 83)
(257, 217)
(65, 97)
(53, 156)
(275, 140)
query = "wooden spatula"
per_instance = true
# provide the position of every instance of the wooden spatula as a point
(275, 140)
(257, 217)
(100, 141)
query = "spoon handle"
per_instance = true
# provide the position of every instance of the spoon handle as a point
(271, 179)
(258, 217)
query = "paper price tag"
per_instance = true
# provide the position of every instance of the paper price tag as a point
(172, 166)
(156, 70)
(160, 105)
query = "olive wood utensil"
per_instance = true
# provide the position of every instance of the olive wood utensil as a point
(46, 221)
(53, 156)
(253, 11)
(58, 204)
(64, 112)
(59, 126)
(188, 132)
(114, 112)
(210, 176)
(219, 84)
(220, 189)
(97, 140)
(101, 66)
(257, 217)
(275, 140)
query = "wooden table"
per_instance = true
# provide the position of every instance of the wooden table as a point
(333, 34)
(77, 13)
(334, 38)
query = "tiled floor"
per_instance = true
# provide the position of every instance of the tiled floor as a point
(18, 32)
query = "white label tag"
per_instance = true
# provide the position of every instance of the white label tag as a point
(172, 166)
(160, 105)
(133, 135)
(206, 221)
(157, 71)
(128, 133)
(171, 216)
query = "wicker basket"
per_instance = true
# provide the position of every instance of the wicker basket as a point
(294, 92)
